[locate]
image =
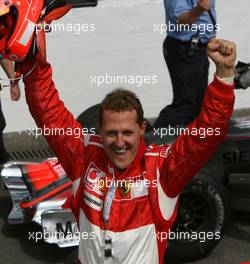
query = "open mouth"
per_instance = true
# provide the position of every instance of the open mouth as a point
(120, 151)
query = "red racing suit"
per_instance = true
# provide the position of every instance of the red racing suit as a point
(125, 216)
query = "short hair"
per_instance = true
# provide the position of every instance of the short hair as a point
(120, 100)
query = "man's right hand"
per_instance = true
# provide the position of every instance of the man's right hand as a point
(204, 5)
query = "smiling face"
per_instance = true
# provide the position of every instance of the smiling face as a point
(121, 136)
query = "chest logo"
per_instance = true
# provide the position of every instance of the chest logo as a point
(124, 188)
(94, 179)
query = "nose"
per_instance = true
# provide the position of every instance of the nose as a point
(119, 141)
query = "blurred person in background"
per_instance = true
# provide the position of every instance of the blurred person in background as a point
(8, 68)
(190, 26)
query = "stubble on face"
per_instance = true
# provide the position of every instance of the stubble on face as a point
(121, 136)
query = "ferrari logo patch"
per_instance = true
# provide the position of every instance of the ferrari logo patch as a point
(101, 185)
(124, 188)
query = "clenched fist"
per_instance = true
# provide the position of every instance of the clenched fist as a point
(204, 5)
(223, 53)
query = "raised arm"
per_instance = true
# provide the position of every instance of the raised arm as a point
(191, 152)
(50, 113)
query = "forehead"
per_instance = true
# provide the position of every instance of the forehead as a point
(113, 119)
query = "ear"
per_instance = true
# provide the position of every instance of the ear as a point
(143, 128)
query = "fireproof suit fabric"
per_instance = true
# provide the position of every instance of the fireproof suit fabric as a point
(141, 201)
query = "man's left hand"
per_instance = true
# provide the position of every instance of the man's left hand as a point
(223, 53)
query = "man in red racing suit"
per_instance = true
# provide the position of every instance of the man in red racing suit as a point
(125, 193)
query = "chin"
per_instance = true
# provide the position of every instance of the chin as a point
(121, 165)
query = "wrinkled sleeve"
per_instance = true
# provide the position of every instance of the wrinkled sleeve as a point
(53, 118)
(178, 7)
(192, 151)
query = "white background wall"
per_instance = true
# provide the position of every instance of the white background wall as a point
(123, 43)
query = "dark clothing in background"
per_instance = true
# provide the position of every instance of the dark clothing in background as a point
(185, 54)
(3, 153)
(189, 77)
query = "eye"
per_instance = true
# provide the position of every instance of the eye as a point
(110, 133)
(128, 133)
